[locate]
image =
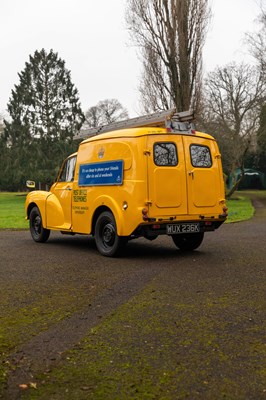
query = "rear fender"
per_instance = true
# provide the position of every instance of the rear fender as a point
(106, 202)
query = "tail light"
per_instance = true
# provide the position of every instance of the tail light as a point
(145, 214)
(225, 209)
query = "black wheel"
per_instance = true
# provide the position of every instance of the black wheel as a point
(38, 232)
(107, 241)
(188, 241)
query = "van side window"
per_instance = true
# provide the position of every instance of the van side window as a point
(67, 173)
(165, 154)
(200, 156)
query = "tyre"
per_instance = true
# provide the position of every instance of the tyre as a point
(108, 243)
(38, 232)
(188, 241)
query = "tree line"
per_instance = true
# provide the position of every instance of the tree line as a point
(229, 102)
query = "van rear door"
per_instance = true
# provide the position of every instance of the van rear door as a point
(167, 186)
(203, 175)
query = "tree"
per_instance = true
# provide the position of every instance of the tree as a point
(262, 140)
(45, 114)
(257, 43)
(1, 125)
(233, 98)
(3, 156)
(104, 113)
(45, 101)
(257, 46)
(170, 34)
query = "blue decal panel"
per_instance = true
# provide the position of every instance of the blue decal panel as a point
(101, 173)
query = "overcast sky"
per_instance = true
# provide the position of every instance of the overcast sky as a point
(91, 36)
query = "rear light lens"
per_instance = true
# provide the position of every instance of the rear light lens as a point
(145, 214)
(225, 209)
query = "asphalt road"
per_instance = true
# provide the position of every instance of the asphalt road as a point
(231, 264)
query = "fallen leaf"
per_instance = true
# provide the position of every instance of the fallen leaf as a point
(33, 385)
(23, 386)
(86, 388)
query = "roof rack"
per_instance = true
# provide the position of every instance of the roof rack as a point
(170, 119)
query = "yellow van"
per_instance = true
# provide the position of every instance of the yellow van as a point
(140, 180)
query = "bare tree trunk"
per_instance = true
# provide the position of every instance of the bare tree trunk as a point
(170, 35)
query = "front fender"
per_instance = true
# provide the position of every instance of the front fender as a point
(37, 198)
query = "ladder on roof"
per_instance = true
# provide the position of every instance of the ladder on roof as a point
(180, 121)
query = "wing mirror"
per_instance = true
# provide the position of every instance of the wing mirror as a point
(30, 184)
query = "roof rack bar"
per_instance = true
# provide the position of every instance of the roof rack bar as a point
(158, 119)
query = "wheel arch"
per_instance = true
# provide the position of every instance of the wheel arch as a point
(96, 214)
(38, 232)
(41, 208)
(108, 203)
(30, 207)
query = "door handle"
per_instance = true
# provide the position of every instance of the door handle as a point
(191, 173)
(68, 188)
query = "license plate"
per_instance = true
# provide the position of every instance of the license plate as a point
(182, 228)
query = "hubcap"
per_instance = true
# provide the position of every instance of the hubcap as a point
(108, 234)
(37, 224)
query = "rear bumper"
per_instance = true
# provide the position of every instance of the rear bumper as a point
(151, 230)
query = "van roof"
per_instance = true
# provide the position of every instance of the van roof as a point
(137, 132)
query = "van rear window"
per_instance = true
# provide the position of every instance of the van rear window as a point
(165, 154)
(200, 156)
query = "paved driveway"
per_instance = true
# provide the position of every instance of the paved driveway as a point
(209, 307)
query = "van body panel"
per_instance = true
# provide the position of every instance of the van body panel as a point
(59, 206)
(132, 192)
(165, 185)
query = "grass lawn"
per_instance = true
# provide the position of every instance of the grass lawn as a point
(239, 208)
(12, 214)
(12, 209)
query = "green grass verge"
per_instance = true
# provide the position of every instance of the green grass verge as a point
(239, 208)
(12, 214)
